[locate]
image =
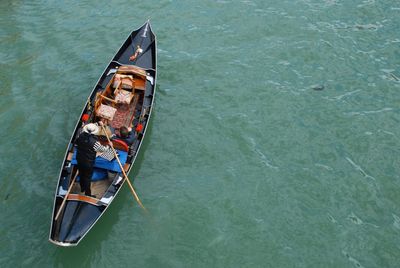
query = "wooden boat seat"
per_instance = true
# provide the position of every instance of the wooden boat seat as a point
(131, 69)
(83, 198)
(137, 75)
(123, 81)
(140, 84)
(124, 88)
(102, 106)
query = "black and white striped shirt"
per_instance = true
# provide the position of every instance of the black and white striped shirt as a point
(100, 148)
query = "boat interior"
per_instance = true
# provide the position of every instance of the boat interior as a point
(118, 104)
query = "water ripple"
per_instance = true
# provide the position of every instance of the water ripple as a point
(396, 221)
(354, 261)
(358, 168)
(362, 113)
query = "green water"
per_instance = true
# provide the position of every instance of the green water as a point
(246, 163)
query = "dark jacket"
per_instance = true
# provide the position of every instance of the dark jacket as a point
(128, 140)
(86, 154)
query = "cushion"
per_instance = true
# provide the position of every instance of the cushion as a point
(123, 96)
(127, 81)
(106, 112)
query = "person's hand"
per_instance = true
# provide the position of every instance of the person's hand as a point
(110, 143)
(129, 129)
(101, 123)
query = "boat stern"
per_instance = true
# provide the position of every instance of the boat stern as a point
(75, 222)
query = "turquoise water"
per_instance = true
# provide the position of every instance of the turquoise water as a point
(274, 140)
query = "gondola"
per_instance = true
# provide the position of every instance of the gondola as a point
(123, 96)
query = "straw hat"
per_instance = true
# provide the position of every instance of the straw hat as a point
(91, 129)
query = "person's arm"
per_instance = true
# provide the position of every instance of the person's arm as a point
(130, 138)
(100, 148)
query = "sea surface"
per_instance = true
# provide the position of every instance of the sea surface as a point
(274, 142)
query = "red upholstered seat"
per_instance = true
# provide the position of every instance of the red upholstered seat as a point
(120, 145)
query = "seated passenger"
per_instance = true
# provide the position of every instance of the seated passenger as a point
(124, 134)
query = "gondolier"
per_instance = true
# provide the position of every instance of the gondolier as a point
(88, 146)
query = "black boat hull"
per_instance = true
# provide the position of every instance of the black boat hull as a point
(79, 214)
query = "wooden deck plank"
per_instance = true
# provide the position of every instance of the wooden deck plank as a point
(83, 198)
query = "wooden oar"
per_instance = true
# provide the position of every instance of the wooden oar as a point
(66, 196)
(123, 171)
